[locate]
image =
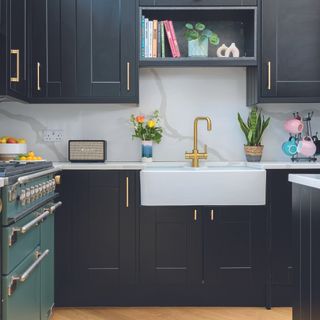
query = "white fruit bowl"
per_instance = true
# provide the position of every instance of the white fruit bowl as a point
(9, 151)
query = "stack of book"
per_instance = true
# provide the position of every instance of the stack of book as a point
(155, 35)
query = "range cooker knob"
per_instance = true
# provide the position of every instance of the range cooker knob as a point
(44, 188)
(36, 192)
(32, 194)
(40, 190)
(28, 195)
(22, 197)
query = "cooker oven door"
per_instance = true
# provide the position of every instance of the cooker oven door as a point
(21, 288)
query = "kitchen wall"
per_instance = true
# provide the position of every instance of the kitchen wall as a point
(180, 95)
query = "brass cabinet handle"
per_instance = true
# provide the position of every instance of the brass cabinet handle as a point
(38, 76)
(128, 76)
(212, 215)
(269, 75)
(195, 215)
(17, 77)
(127, 192)
(57, 180)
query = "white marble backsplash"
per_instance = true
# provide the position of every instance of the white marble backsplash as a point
(180, 95)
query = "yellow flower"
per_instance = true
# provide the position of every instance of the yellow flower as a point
(151, 124)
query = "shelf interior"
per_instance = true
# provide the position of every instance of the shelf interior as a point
(236, 25)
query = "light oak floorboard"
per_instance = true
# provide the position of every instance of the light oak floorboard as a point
(156, 313)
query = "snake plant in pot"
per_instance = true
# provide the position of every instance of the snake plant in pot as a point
(253, 130)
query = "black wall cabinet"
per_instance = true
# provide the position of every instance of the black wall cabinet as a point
(290, 68)
(72, 51)
(16, 13)
(95, 246)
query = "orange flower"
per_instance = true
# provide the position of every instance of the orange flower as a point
(140, 119)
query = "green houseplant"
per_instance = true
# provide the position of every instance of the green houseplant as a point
(253, 130)
(198, 37)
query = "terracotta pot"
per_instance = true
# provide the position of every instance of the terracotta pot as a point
(253, 153)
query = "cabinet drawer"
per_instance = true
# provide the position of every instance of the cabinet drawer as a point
(19, 239)
(23, 300)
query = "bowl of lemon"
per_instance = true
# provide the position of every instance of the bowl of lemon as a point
(29, 156)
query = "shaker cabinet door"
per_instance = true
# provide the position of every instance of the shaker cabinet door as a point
(96, 256)
(235, 255)
(17, 48)
(290, 45)
(170, 246)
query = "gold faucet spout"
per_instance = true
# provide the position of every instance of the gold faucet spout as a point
(196, 155)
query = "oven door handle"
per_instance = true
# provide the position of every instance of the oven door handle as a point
(25, 275)
(54, 207)
(27, 178)
(33, 223)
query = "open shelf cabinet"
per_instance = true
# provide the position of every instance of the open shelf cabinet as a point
(232, 24)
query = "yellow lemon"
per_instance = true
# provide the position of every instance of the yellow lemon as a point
(23, 158)
(31, 154)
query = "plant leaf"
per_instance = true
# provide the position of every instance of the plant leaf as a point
(200, 26)
(207, 33)
(214, 39)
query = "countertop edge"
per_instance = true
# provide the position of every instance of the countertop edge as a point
(308, 180)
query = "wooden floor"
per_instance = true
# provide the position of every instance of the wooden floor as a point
(172, 314)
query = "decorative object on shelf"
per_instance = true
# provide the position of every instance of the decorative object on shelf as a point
(301, 146)
(227, 52)
(253, 131)
(198, 37)
(233, 51)
(147, 129)
(221, 52)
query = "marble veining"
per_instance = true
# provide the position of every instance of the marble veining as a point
(180, 95)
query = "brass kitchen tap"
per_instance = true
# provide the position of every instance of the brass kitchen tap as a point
(195, 155)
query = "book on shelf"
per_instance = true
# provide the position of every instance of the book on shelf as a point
(174, 38)
(155, 36)
(155, 39)
(143, 50)
(170, 38)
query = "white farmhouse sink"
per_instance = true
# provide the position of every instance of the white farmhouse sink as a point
(211, 185)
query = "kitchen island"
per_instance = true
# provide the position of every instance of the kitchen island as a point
(306, 236)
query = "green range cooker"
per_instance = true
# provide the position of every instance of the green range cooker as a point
(27, 204)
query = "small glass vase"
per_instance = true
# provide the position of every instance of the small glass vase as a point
(197, 48)
(146, 151)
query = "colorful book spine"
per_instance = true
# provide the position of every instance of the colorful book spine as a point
(170, 39)
(174, 38)
(154, 39)
(159, 40)
(146, 38)
(150, 38)
(163, 48)
(143, 50)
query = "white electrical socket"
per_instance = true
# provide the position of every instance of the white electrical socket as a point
(52, 135)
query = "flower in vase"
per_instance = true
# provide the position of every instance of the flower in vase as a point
(151, 123)
(140, 119)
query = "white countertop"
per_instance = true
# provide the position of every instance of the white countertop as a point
(308, 180)
(139, 165)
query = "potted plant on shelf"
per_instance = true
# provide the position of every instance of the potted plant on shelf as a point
(253, 131)
(148, 130)
(198, 37)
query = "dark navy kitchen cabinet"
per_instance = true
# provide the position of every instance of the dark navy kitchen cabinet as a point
(280, 241)
(290, 67)
(235, 255)
(83, 51)
(16, 44)
(95, 250)
(197, 3)
(306, 222)
(170, 246)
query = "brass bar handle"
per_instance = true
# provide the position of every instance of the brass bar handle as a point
(128, 76)
(127, 192)
(38, 76)
(16, 52)
(269, 75)
(212, 214)
(27, 273)
(195, 215)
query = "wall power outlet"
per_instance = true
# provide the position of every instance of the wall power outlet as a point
(52, 135)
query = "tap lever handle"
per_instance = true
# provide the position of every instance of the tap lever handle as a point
(205, 148)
